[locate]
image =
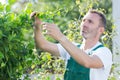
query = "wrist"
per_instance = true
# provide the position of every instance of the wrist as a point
(62, 39)
(37, 23)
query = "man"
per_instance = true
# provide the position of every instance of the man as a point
(88, 61)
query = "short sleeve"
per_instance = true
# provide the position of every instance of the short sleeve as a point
(105, 56)
(63, 53)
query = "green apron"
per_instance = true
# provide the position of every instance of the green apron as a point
(75, 71)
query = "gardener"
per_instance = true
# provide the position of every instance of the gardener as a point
(88, 61)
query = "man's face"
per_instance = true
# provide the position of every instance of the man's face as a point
(90, 25)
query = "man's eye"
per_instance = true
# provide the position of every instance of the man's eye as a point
(90, 21)
(83, 20)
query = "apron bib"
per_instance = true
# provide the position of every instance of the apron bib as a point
(75, 71)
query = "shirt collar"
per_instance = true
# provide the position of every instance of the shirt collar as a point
(89, 50)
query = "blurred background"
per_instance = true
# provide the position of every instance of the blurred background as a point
(21, 60)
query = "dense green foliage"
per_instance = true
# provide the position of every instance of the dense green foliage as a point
(16, 50)
(18, 54)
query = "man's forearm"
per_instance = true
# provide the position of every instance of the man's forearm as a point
(45, 45)
(38, 38)
(79, 55)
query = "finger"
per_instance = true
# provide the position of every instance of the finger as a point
(44, 23)
(44, 27)
(32, 15)
(45, 31)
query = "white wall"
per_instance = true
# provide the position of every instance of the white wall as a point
(116, 38)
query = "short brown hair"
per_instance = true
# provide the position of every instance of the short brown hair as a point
(102, 16)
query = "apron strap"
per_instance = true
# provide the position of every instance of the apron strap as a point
(98, 47)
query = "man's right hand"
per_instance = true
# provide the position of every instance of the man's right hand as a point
(40, 41)
(36, 20)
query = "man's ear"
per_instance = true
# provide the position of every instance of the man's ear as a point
(102, 29)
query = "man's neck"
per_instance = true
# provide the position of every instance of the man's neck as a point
(89, 43)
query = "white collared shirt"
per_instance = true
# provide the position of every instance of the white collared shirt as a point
(103, 53)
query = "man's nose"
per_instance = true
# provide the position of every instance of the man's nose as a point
(85, 24)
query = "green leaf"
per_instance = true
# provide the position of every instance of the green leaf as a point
(1, 34)
(1, 55)
(3, 64)
(7, 8)
(33, 66)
